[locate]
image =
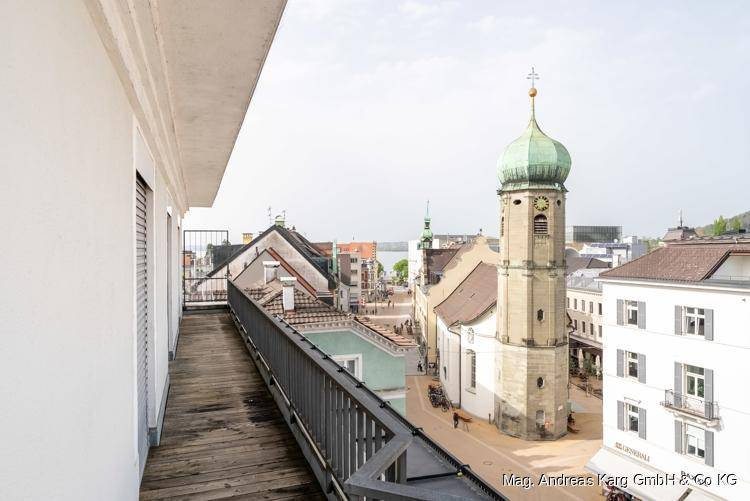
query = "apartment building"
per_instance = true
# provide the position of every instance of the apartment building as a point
(675, 346)
(585, 310)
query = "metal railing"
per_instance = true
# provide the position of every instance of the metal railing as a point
(205, 266)
(691, 405)
(355, 442)
(204, 290)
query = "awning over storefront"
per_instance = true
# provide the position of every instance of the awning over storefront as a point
(614, 464)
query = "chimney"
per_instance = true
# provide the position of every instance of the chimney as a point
(287, 292)
(269, 271)
(247, 238)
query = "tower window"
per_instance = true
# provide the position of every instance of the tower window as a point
(540, 224)
(540, 382)
(540, 315)
(517, 201)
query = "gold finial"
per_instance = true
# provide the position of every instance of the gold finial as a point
(532, 92)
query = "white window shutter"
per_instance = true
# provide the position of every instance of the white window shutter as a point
(678, 319)
(642, 423)
(708, 329)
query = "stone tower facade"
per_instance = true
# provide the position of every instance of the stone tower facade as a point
(532, 393)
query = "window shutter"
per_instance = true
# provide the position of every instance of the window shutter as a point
(641, 315)
(621, 415)
(678, 319)
(709, 327)
(620, 363)
(641, 368)
(677, 384)
(642, 423)
(678, 436)
(709, 448)
(620, 312)
(708, 392)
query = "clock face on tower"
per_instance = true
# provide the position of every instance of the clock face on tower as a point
(541, 203)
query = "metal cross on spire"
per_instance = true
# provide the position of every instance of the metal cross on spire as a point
(533, 76)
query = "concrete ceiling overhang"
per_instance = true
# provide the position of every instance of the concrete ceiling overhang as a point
(214, 53)
(189, 68)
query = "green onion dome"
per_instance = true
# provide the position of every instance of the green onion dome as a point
(534, 160)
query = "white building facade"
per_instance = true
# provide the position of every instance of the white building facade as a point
(675, 346)
(117, 117)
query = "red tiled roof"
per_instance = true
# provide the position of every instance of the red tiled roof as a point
(396, 339)
(309, 310)
(680, 262)
(474, 296)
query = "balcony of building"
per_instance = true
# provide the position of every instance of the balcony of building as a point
(256, 409)
(690, 405)
(223, 435)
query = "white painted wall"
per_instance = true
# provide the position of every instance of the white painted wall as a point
(481, 401)
(727, 355)
(68, 356)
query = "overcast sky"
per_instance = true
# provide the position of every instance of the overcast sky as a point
(366, 109)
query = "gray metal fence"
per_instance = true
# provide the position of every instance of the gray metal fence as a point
(356, 444)
(205, 269)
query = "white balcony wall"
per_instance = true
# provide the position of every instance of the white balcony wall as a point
(70, 154)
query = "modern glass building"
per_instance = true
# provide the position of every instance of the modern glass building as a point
(587, 234)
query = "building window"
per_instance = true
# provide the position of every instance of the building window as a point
(540, 315)
(502, 226)
(695, 321)
(472, 356)
(632, 364)
(695, 441)
(568, 299)
(583, 327)
(632, 418)
(631, 311)
(600, 330)
(575, 325)
(352, 364)
(591, 329)
(540, 224)
(695, 381)
(591, 307)
(540, 382)
(575, 304)
(600, 308)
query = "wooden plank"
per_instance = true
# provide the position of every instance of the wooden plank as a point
(223, 436)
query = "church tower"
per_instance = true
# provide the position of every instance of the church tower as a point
(532, 393)
(425, 242)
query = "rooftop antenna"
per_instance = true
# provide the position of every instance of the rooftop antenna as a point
(270, 217)
(680, 219)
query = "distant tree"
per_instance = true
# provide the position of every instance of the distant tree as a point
(225, 242)
(736, 224)
(380, 269)
(401, 268)
(720, 226)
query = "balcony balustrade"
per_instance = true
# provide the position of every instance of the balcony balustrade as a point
(355, 443)
(689, 404)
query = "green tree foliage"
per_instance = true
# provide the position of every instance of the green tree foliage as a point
(401, 268)
(736, 224)
(380, 269)
(720, 226)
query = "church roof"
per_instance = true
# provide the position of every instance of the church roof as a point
(472, 298)
(534, 160)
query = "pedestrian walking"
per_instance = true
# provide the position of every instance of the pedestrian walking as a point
(455, 420)
(419, 366)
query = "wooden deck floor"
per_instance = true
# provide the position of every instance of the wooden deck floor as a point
(223, 436)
